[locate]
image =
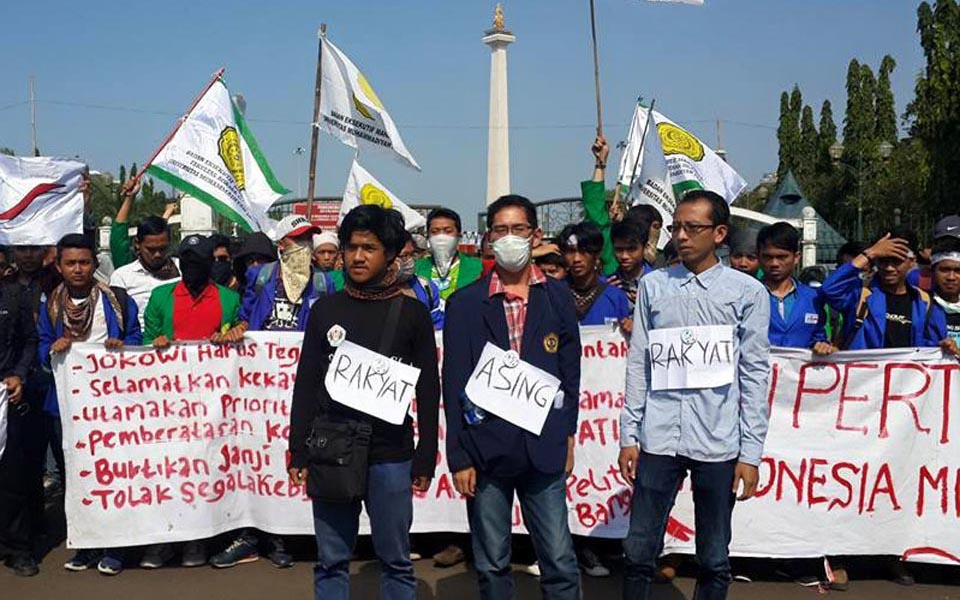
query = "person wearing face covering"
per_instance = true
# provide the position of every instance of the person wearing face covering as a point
(279, 295)
(192, 309)
(517, 309)
(446, 267)
(418, 287)
(372, 312)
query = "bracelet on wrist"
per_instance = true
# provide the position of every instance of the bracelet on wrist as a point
(600, 165)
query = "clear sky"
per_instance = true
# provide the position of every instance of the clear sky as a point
(112, 76)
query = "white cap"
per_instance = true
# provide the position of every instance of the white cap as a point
(327, 237)
(294, 226)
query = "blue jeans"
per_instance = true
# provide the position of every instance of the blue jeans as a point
(543, 501)
(654, 492)
(389, 504)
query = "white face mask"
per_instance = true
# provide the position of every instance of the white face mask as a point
(444, 249)
(512, 252)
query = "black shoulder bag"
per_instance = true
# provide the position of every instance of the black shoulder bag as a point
(338, 451)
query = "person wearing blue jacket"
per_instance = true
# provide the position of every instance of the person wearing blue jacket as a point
(516, 308)
(596, 300)
(889, 313)
(797, 311)
(278, 295)
(82, 309)
(421, 288)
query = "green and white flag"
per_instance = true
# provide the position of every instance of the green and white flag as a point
(214, 157)
(692, 164)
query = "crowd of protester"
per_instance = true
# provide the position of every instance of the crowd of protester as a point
(606, 270)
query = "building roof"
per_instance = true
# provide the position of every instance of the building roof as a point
(788, 202)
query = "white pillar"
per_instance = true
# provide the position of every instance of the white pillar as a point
(809, 243)
(197, 217)
(498, 132)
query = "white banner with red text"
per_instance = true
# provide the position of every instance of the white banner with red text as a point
(184, 444)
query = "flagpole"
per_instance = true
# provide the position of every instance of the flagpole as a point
(615, 205)
(643, 139)
(315, 134)
(181, 121)
(596, 68)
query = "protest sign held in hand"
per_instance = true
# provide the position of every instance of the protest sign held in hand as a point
(512, 389)
(371, 382)
(691, 357)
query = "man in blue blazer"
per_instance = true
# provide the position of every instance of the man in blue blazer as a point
(797, 311)
(516, 308)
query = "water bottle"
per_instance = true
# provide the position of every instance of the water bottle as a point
(472, 414)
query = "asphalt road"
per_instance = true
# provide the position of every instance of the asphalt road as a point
(261, 581)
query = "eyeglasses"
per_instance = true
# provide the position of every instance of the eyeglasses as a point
(512, 229)
(689, 228)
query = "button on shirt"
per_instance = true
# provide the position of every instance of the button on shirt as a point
(786, 303)
(712, 424)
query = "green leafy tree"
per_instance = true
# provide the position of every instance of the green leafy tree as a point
(809, 143)
(886, 109)
(788, 131)
(7, 151)
(934, 114)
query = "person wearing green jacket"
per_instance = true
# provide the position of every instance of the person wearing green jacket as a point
(121, 251)
(194, 308)
(594, 195)
(446, 267)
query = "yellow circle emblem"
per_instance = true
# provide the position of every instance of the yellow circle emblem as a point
(232, 155)
(678, 141)
(371, 194)
(367, 91)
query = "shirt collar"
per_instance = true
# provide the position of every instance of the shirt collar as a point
(181, 291)
(705, 279)
(496, 286)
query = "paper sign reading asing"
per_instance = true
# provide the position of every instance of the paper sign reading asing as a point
(691, 357)
(371, 382)
(512, 389)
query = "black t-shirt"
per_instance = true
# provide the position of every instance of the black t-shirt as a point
(363, 322)
(953, 326)
(899, 333)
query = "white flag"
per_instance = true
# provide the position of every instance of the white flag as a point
(214, 158)
(363, 188)
(351, 111)
(692, 164)
(696, 2)
(40, 200)
(652, 184)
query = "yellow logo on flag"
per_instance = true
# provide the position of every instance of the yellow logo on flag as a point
(370, 95)
(371, 194)
(678, 141)
(232, 155)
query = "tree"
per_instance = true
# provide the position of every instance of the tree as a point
(853, 121)
(809, 144)
(827, 137)
(7, 151)
(934, 114)
(868, 98)
(886, 110)
(788, 132)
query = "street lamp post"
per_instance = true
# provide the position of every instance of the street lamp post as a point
(885, 148)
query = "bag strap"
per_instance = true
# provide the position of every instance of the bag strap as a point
(319, 283)
(926, 319)
(122, 300)
(860, 316)
(390, 326)
(266, 272)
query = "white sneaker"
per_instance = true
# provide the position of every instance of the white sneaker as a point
(533, 569)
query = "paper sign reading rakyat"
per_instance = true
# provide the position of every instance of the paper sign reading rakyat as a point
(371, 382)
(512, 389)
(691, 357)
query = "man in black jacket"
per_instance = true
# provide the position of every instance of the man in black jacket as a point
(20, 473)
(373, 313)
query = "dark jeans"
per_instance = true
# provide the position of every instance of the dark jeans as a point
(389, 504)
(543, 501)
(21, 482)
(655, 490)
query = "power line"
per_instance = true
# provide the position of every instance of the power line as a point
(404, 125)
